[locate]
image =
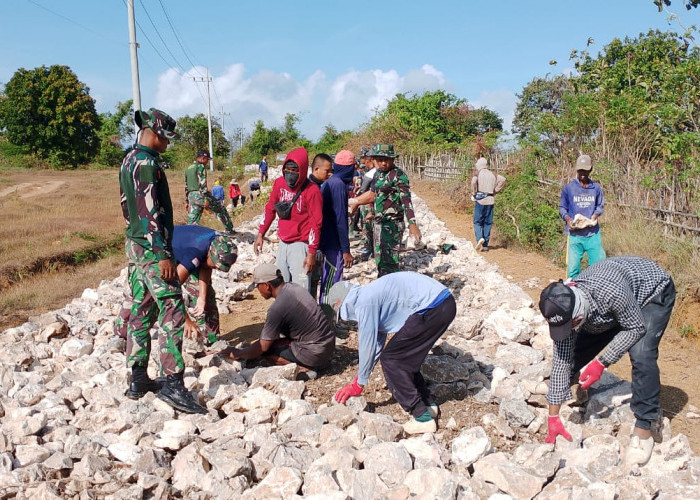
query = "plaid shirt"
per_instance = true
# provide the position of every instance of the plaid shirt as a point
(616, 288)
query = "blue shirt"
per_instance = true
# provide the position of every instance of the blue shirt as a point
(218, 192)
(334, 229)
(577, 199)
(383, 306)
(191, 245)
(263, 166)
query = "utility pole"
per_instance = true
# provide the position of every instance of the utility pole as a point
(211, 146)
(133, 46)
(223, 130)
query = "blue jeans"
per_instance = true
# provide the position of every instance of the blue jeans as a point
(578, 245)
(646, 383)
(483, 220)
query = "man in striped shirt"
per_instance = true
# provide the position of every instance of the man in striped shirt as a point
(618, 305)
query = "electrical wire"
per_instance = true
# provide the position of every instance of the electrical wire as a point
(167, 17)
(155, 28)
(86, 28)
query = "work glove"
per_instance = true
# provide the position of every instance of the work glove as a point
(555, 428)
(348, 391)
(591, 374)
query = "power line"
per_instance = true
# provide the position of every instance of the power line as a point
(177, 63)
(167, 17)
(101, 35)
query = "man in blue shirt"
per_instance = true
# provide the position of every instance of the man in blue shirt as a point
(217, 192)
(580, 206)
(419, 310)
(335, 240)
(263, 169)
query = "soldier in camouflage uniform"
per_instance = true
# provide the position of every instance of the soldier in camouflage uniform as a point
(197, 194)
(148, 213)
(366, 211)
(197, 251)
(390, 194)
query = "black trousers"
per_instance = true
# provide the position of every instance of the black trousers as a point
(646, 383)
(406, 351)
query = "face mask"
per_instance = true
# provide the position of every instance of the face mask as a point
(291, 178)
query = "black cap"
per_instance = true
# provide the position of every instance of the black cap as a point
(203, 152)
(557, 306)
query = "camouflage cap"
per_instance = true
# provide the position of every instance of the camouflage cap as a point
(161, 123)
(223, 251)
(364, 151)
(386, 150)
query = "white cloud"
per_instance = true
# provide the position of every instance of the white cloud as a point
(345, 102)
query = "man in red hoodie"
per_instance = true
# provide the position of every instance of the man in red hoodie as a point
(299, 233)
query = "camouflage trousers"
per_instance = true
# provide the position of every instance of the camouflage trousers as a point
(196, 201)
(153, 298)
(387, 242)
(367, 230)
(209, 323)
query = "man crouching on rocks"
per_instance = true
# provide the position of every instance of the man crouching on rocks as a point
(416, 307)
(620, 304)
(295, 331)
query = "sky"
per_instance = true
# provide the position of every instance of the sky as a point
(330, 63)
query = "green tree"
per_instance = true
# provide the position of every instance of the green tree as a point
(194, 133)
(49, 111)
(116, 131)
(331, 141)
(689, 4)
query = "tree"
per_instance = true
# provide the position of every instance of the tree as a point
(49, 111)
(194, 132)
(689, 4)
(116, 131)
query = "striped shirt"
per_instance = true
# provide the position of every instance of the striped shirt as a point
(617, 289)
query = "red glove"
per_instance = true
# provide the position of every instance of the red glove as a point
(348, 391)
(555, 428)
(591, 374)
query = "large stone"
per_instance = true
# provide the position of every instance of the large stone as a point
(259, 397)
(189, 468)
(442, 369)
(231, 426)
(281, 482)
(431, 483)
(74, 348)
(507, 328)
(390, 461)
(58, 461)
(230, 458)
(175, 434)
(381, 426)
(511, 478)
(30, 454)
(516, 412)
(471, 445)
(125, 452)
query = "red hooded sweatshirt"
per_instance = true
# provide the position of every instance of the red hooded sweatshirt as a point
(305, 221)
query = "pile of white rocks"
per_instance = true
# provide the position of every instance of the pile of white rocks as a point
(69, 432)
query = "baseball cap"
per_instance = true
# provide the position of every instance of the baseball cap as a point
(583, 163)
(481, 163)
(264, 273)
(344, 158)
(336, 295)
(161, 123)
(203, 152)
(557, 303)
(223, 252)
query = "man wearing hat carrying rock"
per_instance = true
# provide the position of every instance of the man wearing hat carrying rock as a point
(419, 310)
(295, 331)
(618, 305)
(580, 206)
(391, 195)
(335, 239)
(197, 194)
(148, 213)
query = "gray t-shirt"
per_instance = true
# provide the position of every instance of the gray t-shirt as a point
(296, 315)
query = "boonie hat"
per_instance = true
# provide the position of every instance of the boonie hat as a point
(161, 123)
(203, 152)
(223, 251)
(557, 306)
(381, 149)
(583, 163)
(264, 273)
(336, 295)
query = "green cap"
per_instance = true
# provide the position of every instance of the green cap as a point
(223, 251)
(386, 150)
(161, 123)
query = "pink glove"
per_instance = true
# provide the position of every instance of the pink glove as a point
(348, 391)
(591, 374)
(555, 428)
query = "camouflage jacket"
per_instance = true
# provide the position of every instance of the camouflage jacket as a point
(393, 196)
(195, 179)
(145, 200)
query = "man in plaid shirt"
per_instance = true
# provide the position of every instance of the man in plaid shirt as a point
(617, 305)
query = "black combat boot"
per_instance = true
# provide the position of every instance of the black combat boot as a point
(141, 384)
(175, 394)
